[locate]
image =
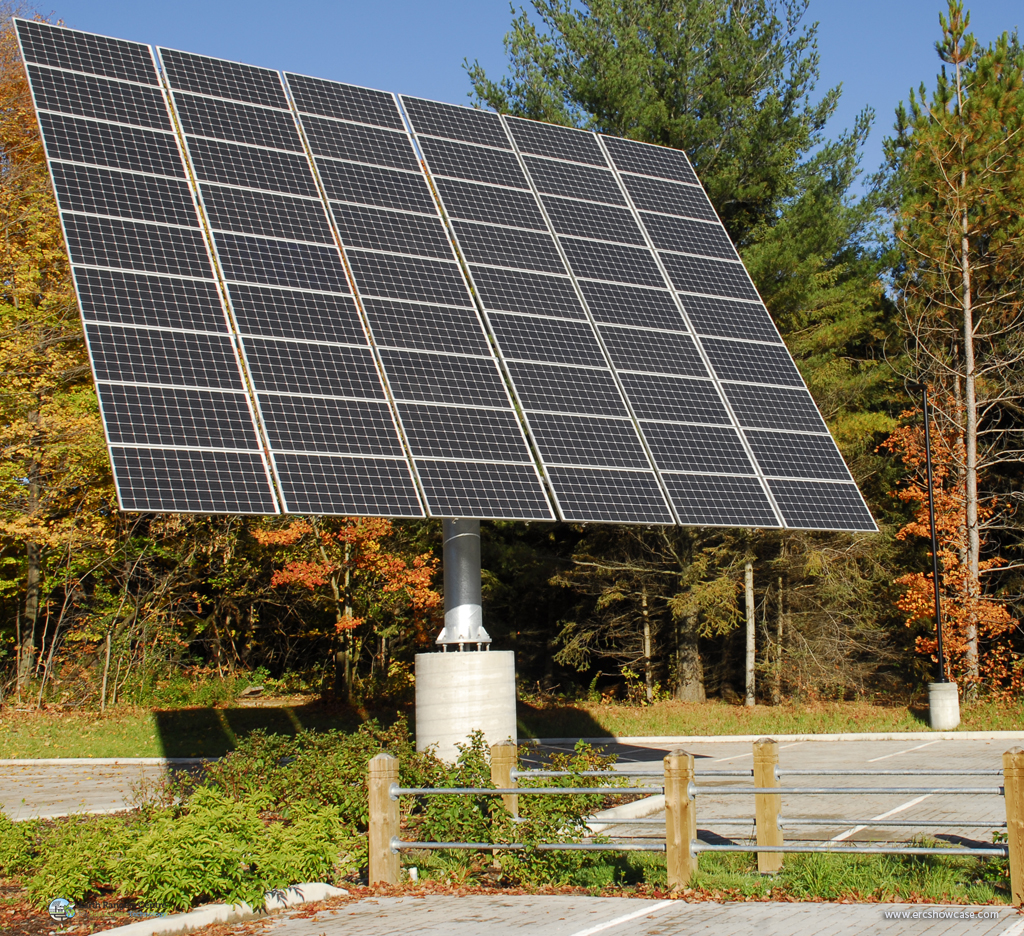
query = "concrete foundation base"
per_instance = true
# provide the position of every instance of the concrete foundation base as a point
(459, 693)
(943, 706)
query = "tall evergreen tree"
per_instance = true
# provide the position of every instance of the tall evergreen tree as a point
(959, 158)
(732, 82)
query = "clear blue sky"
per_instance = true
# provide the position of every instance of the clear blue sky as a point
(877, 49)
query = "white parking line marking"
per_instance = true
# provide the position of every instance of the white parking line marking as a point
(907, 751)
(885, 815)
(784, 747)
(643, 911)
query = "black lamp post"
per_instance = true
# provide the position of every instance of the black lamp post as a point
(935, 544)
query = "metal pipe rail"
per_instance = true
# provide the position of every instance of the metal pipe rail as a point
(396, 791)
(827, 791)
(801, 772)
(995, 851)
(401, 845)
(895, 823)
(626, 772)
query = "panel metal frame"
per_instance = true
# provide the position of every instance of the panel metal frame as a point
(229, 332)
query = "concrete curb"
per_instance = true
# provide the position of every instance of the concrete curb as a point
(276, 901)
(104, 811)
(638, 809)
(849, 736)
(102, 761)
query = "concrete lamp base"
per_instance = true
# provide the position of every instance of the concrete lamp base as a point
(459, 693)
(943, 706)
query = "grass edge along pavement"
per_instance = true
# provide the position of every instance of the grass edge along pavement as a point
(212, 731)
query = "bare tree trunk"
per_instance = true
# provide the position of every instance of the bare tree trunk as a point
(33, 578)
(751, 635)
(777, 668)
(106, 673)
(970, 440)
(648, 668)
(689, 668)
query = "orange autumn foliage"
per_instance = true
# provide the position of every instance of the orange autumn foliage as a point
(1000, 671)
(356, 553)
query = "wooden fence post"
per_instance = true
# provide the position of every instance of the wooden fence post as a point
(767, 806)
(1013, 793)
(504, 758)
(680, 819)
(384, 862)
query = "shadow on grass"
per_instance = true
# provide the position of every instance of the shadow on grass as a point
(560, 722)
(212, 732)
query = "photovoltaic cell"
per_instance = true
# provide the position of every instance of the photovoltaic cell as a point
(344, 102)
(729, 319)
(473, 202)
(323, 405)
(266, 214)
(179, 425)
(502, 246)
(286, 313)
(613, 262)
(357, 143)
(712, 277)
(218, 78)
(98, 98)
(473, 163)
(458, 488)
(687, 236)
(240, 123)
(587, 441)
(687, 201)
(704, 449)
(86, 53)
(540, 139)
(455, 123)
(370, 185)
(789, 454)
(675, 399)
(720, 501)
(513, 291)
(774, 408)
(411, 326)
(645, 159)
(557, 341)
(131, 148)
(634, 349)
(753, 363)
(600, 222)
(817, 505)
(628, 305)
(94, 190)
(585, 182)
(392, 231)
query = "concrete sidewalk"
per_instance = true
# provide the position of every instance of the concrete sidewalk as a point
(486, 915)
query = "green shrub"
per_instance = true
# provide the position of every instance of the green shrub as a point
(77, 857)
(15, 845)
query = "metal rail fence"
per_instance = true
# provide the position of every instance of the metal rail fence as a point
(681, 845)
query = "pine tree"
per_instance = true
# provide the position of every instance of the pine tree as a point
(959, 158)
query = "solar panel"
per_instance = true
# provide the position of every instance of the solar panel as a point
(579, 423)
(461, 321)
(178, 421)
(467, 445)
(332, 438)
(795, 460)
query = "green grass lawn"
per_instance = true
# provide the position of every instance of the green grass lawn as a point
(721, 718)
(212, 731)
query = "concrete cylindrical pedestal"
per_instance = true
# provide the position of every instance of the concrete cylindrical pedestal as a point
(943, 706)
(459, 693)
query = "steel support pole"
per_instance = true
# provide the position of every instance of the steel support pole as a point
(463, 616)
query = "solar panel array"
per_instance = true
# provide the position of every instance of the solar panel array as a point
(179, 422)
(466, 443)
(293, 303)
(330, 430)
